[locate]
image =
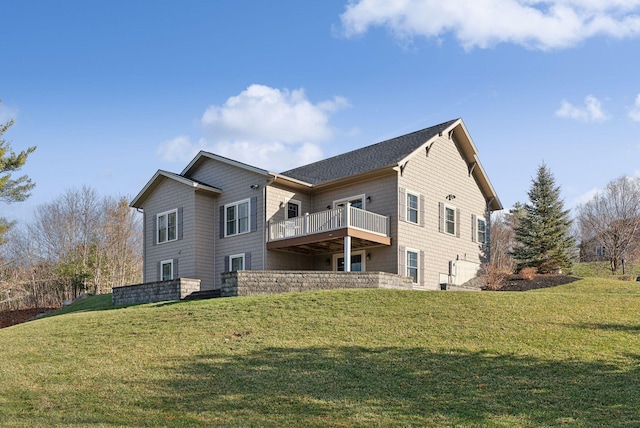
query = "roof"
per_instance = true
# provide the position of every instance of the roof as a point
(161, 175)
(384, 154)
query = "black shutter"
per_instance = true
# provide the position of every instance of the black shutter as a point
(222, 222)
(253, 212)
(227, 268)
(474, 223)
(159, 271)
(247, 261)
(180, 222)
(175, 269)
(155, 230)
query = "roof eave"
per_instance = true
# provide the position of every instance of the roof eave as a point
(138, 201)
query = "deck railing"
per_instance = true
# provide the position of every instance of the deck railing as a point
(324, 221)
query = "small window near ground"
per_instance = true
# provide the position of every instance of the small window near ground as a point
(412, 265)
(412, 207)
(167, 226)
(482, 231)
(166, 269)
(236, 262)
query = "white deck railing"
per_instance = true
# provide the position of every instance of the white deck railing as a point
(328, 220)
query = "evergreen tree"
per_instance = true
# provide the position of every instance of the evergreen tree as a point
(544, 231)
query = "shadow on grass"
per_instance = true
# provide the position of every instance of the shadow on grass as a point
(399, 386)
(611, 327)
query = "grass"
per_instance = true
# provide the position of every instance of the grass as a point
(566, 356)
(602, 270)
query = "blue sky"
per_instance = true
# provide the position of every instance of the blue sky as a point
(111, 91)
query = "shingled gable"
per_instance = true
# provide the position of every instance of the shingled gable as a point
(394, 152)
(161, 175)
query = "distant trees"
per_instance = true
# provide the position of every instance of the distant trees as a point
(612, 220)
(542, 233)
(78, 242)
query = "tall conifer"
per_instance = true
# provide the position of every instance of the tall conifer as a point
(543, 233)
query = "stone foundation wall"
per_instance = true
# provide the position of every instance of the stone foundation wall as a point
(251, 282)
(160, 291)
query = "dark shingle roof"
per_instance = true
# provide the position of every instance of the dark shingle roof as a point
(370, 158)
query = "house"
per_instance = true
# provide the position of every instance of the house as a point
(416, 205)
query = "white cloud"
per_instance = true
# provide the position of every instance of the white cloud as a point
(270, 128)
(585, 197)
(538, 24)
(634, 113)
(591, 111)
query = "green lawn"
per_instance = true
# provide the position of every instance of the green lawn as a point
(567, 356)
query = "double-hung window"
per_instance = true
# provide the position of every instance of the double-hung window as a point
(237, 218)
(482, 230)
(412, 265)
(450, 220)
(167, 226)
(412, 207)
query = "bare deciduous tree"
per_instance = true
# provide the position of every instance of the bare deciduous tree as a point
(612, 219)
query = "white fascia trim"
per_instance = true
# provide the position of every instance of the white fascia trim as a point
(222, 159)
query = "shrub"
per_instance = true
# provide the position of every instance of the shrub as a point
(528, 273)
(494, 276)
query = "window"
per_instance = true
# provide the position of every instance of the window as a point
(236, 262)
(599, 250)
(167, 223)
(412, 265)
(482, 230)
(293, 209)
(355, 201)
(412, 207)
(166, 270)
(237, 218)
(450, 220)
(357, 262)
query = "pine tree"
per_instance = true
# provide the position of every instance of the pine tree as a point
(543, 232)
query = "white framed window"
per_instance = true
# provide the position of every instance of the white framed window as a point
(412, 264)
(236, 218)
(166, 270)
(357, 261)
(236, 262)
(412, 207)
(599, 250)
(167, 226)
(449, 220)
(355, 201)
(293, 209)
(481, 229)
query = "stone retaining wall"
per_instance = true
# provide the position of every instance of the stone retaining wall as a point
(160, 291)
(251, 282)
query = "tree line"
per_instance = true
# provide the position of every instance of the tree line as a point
(542, 235)
(79, 242)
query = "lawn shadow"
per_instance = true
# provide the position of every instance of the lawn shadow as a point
(611, 327)
(399, 386)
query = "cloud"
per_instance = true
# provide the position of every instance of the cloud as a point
(7, 113)
(591, 112)
(270, 128)
(634, 113)
(536, 24)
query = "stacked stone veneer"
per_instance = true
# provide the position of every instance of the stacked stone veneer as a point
(251, 282)
(160, 291)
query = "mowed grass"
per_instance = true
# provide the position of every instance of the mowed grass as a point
(569, 356)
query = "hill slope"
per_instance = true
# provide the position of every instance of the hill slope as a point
(339, 358)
